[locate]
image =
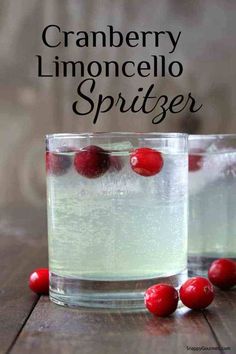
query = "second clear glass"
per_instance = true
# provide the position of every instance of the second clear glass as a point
(212, 200)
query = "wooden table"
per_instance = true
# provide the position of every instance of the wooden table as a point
(31, 324)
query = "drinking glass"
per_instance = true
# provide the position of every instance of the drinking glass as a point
(212, 199)
(117, 216)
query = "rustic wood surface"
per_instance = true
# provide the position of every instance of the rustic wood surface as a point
(30, 324)
(22, 248)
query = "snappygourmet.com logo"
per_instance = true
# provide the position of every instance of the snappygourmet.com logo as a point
(203, 348)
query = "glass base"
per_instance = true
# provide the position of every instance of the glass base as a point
(120, 295)
(199, 265)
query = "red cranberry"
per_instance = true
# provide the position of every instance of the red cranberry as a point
(195, 160)
(57, 163)
(92, 161)
(39, 281)
(146, 162)
(197, 293)
(161, 299)
(222, 273)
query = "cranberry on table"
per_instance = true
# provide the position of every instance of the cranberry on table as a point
(222, 273)
(195, 160)
(146, 162)
(57, 163)
(161, 299)
(197, 293)
(39, 281)
(92, 161)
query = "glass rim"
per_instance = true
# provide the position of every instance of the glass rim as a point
(210, 136)
(154, 135)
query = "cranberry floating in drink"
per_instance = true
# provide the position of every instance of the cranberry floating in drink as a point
(91, 161)
(146, 162)
(57, 163)
(117, 217)
(195, 160)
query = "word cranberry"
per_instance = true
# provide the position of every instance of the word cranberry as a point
(161, 299)
(222, 273)
(57, 164)
(39, 281)
(146, 162)
(195, 160)
(197, 293)
(92, 161)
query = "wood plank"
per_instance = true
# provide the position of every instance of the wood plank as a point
(20, 252)
(54, 329)
(222, 318)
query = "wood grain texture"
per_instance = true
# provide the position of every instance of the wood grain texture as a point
(20, 252)
(222, 318)
(54, 329)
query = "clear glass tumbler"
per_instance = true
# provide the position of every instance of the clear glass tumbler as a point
(117, 216)
(212, 199)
